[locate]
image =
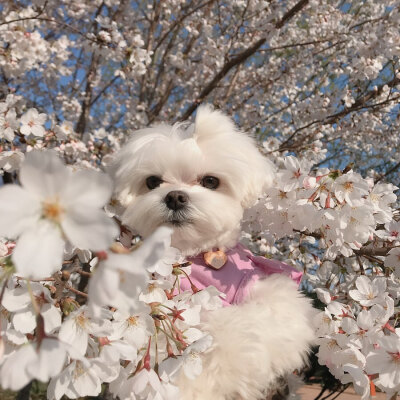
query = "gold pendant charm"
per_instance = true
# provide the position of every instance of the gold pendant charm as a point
(215, 259)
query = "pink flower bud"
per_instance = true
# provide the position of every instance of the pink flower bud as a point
(103, 341)
(102, 255)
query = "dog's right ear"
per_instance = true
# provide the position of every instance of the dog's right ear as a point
(126, 168)
(209, 123)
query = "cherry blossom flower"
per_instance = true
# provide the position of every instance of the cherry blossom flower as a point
(155, 291)
(325, 324)
(350, 187)
(50, 207)
(146, 383)
(82, 378)
(369, 292)
(76, 329)
(163, 267)
(385, 361)
(18, 301)
(381, 197)
(120, 278)
(359, 379)
(33, 362)
(294, 175)
(32, 123)
(393, 230)
(8, 125)
(64, 130)
(392, 260)
(10, 161)
(190, 361)
(135, 329)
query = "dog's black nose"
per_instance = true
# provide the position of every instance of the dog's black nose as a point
(176, 200)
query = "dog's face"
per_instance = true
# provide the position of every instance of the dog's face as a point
(196, 179)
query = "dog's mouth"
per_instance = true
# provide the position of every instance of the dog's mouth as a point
(178, 219)
(177, 223)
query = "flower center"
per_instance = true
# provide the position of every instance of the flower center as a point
(122, 277)
(353, 221)
(132, 321)
(79, 370)
(374, 198)
(282, 195)
(297, 174)
(193, 355)
(348, 186)
(326, 319)
(53, 210)
(81, 320)
(332, 344)
(395, 357)
(151, 287)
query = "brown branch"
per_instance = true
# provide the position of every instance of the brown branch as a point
(239, 59)
(76, 291)
(40, 12)
(63, 24)
(388, 172)
(155, 110)
(179, 21)
(104, 89)
(361, 102)
(301, 44)
(358, 105)
(374, 251)
(80, 271)
(291, 13)
(149, 42)
(86, 103)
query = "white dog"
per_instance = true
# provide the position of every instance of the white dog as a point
(199, 179)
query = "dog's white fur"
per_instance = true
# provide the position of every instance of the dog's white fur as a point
(255, 343)
(268, 335)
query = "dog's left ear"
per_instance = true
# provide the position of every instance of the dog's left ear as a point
(255, 172)
(210, 123)
(260, 176)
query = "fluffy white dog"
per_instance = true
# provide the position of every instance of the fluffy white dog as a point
(199, 179)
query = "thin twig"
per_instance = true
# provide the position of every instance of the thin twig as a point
(76, 291)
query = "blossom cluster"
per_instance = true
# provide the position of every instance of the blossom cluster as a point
(136, 329)
(345, 235)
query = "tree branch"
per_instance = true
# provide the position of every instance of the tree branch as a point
(239, 59)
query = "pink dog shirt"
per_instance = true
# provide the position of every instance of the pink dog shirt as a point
(237, 276)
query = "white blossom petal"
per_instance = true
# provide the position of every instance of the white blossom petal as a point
(39, 261)
(89, 228)
(18, 211)
(43, 174)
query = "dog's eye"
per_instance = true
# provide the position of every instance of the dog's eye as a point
(153, 181)
(209, 182)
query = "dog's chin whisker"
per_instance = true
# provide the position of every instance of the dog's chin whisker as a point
(178, 222)
(178, 218)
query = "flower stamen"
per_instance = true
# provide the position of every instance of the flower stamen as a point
(53, 210)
